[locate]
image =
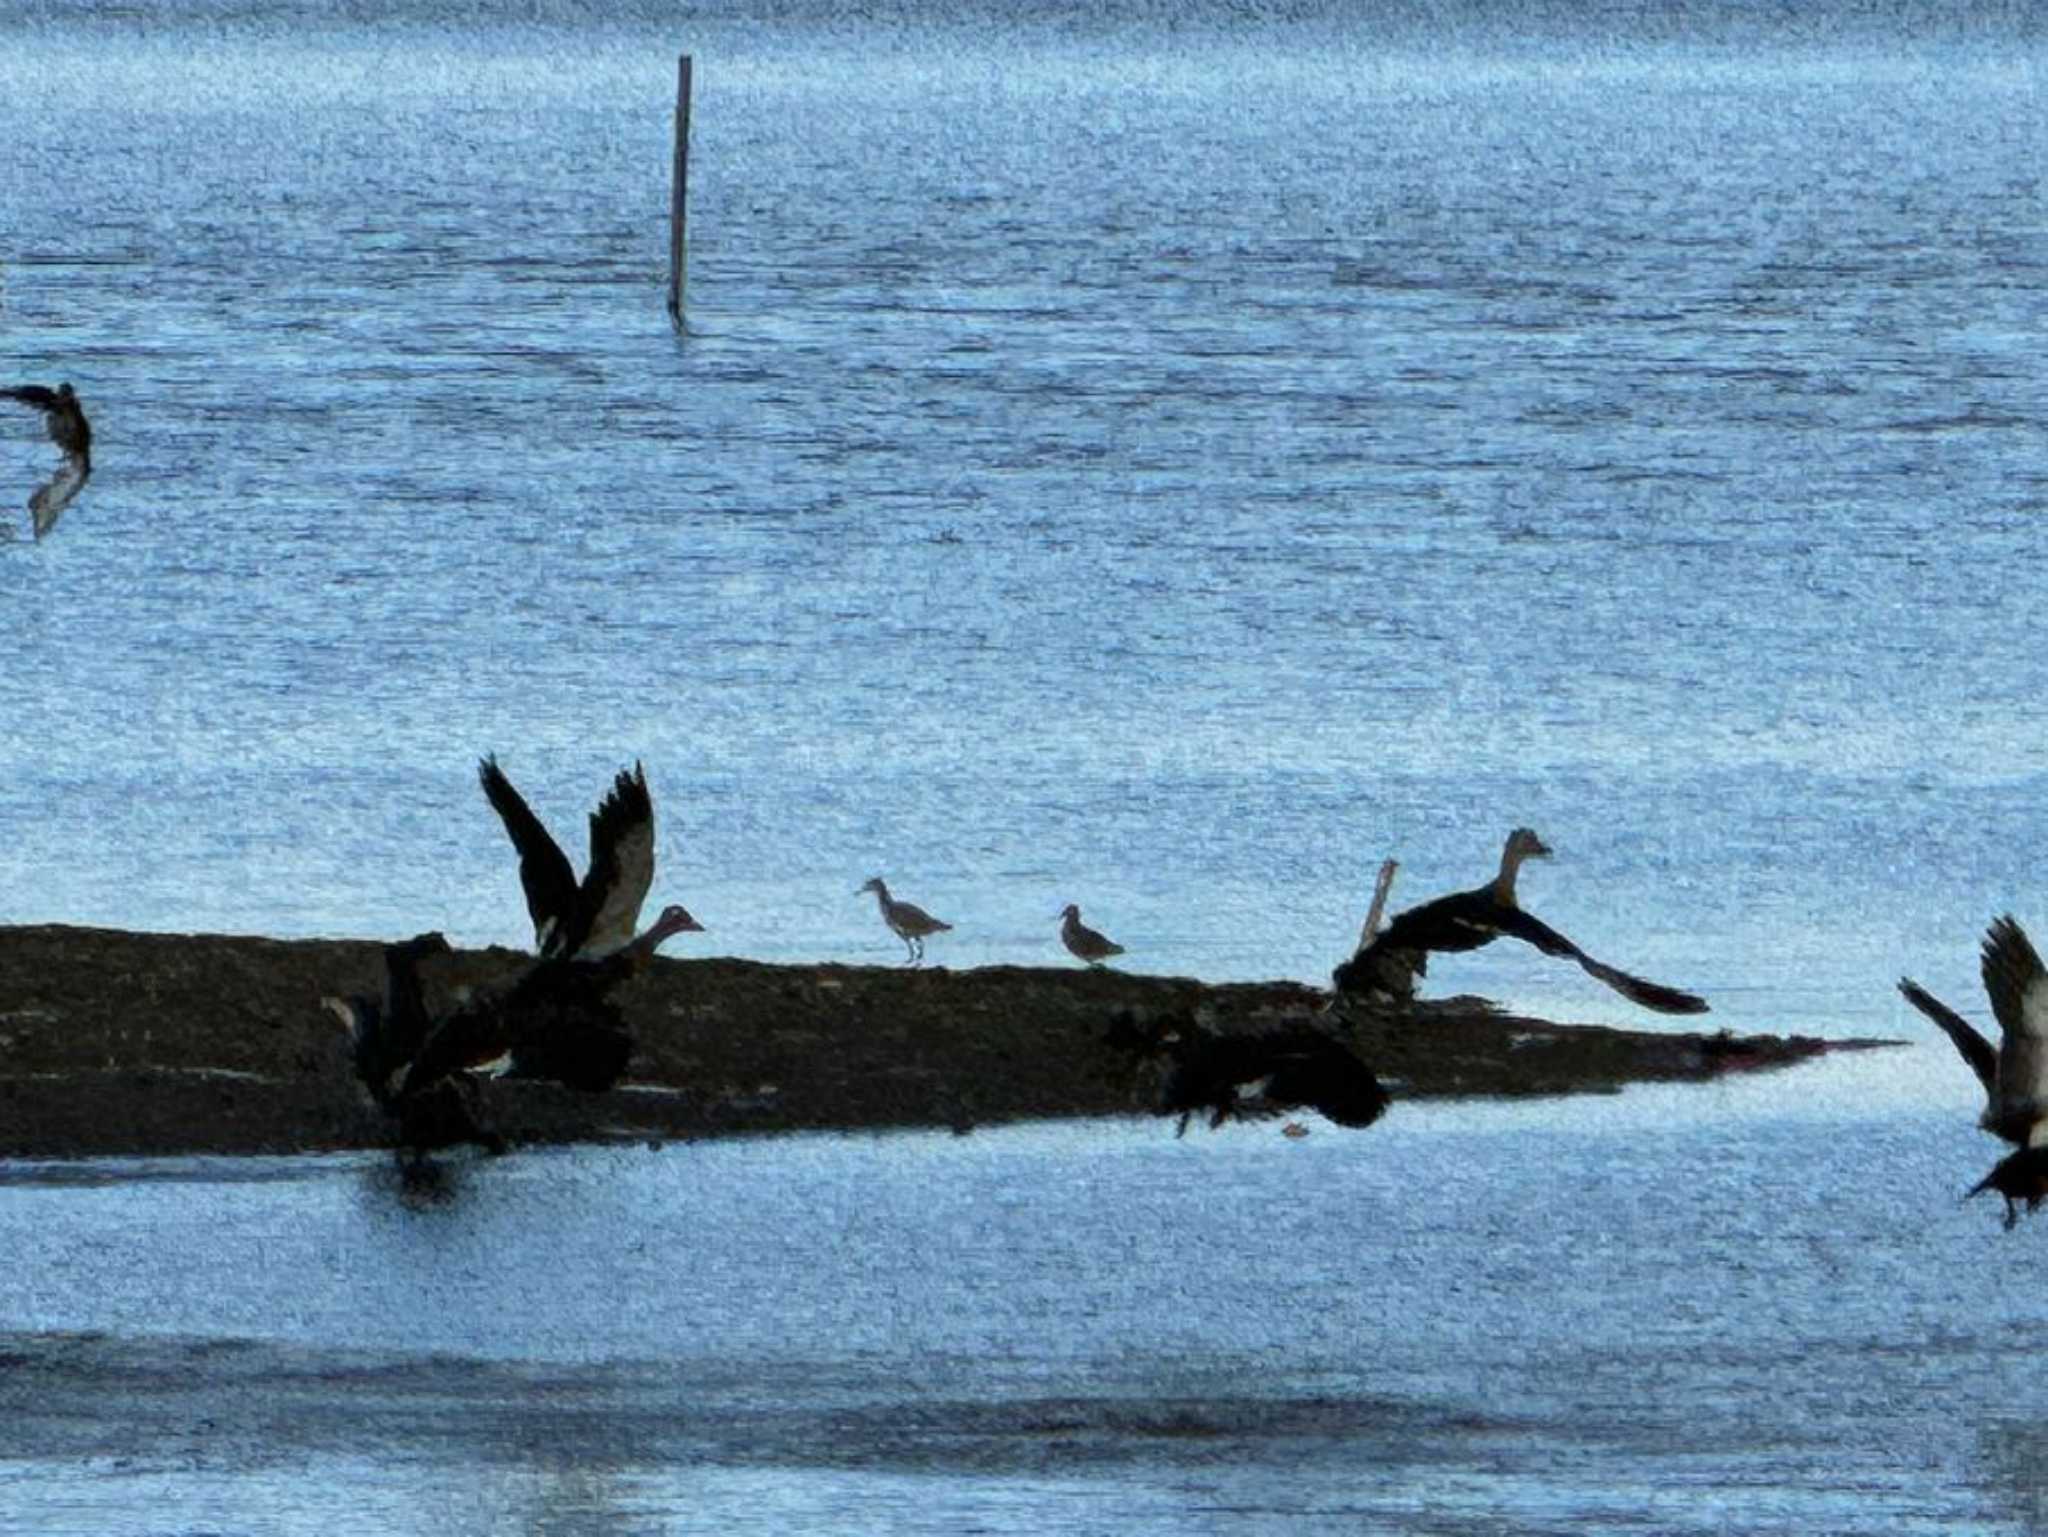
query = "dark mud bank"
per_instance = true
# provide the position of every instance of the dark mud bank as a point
(123, 1043)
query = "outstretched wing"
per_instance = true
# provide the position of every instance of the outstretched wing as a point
(1464, 920)
(544, 871)
(621, 865)
(469, 1040)
(1978, 1052)
(2018, 986)
(1651, 995)
(55, 494)
(39, 396)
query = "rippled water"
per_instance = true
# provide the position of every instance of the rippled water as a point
(1164, 458)
(1163, 464)
(1682, 1310)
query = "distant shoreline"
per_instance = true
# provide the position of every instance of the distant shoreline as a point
(120, 1043)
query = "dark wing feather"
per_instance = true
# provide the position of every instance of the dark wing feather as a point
(1651, 995)
(1215, 1074)
(2018, 987)
(544, 870)
(462, 1042)
(621, 865)
(1464, 920)
(49, 500)
(406, 1022)
(1978, 1052)
(39, 396)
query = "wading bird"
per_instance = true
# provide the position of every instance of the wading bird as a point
(907, 921)
(1082, 942)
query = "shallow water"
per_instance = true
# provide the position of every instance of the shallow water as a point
(1165, 458)
(1169, 462)
(1685, 1309)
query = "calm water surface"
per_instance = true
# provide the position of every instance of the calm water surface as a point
(1687, 1311)
(1167, 459)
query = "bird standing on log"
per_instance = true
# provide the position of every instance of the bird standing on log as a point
(1387, 964)
(1082, 942)
(65, 421)
(2015, 1073)
(907, 921)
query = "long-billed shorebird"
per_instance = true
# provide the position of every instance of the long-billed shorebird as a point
(65, 421)
(2015, 1072)
(1082, 942)
(1465, 920)
(909, 922)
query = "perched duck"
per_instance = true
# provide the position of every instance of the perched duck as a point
(1082, 942)
(2014, 1073)
(65, 421)
(590, 919)
(1252, 1077)
(907, 921)
(1389, 961)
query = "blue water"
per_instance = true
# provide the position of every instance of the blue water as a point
(1167, 458)
(1684, 1310)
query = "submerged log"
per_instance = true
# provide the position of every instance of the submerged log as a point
(123, 1043)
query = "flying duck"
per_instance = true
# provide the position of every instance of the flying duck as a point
(595, 917)
(557, 1022)
(1252, 1077)
(72, 433)
(433, 1110)
(907, 921)
(1390, 960)
(2015, 1073)
(1082, 942)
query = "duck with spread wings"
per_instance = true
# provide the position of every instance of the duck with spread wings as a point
(2015, 1072)
(1387, 964)
(558, 1021)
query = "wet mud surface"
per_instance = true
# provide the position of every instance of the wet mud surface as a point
(117, 1043)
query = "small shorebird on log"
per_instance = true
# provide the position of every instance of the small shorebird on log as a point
(2015, 1073)
(72, 433)
(1082, 942)
(1389, 962)
(909, 922)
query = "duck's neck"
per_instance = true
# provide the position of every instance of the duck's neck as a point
(1503, 887)
(639, 950)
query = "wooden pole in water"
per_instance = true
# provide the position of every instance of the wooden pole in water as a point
(678, 217)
